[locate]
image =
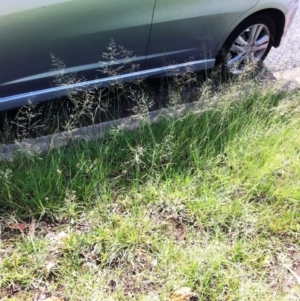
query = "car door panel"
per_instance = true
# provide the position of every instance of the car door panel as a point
(78, 32)
(191, 28)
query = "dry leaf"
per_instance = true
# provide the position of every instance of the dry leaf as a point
(49, 268)
(183, 294)
(20, 227)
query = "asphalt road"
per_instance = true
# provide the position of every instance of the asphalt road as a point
(287, 56)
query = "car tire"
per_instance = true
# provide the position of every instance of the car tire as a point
(247, 45)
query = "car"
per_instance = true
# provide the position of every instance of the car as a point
(161, 34)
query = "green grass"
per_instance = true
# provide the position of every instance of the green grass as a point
(208, 201)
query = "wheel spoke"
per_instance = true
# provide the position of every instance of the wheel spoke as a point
(255, 32)
(237, 48)
(262, 43)
(261, 47)
(240, 40)
(237, 60)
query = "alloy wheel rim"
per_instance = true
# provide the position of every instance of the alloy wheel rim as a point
(248, 49)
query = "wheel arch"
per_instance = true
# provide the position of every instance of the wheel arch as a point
(259, 16)
(279, 20)
(278, 17)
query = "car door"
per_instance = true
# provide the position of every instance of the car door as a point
(191, 28)
(77, 32)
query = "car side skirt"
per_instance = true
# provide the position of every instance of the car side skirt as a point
(19, 100)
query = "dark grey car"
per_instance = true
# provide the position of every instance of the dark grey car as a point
(158, 32)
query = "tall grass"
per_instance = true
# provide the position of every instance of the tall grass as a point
(160, 150)
(207, 201)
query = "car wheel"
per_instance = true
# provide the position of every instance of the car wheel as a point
(248, 44)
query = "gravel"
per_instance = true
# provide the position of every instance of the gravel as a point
(287, 56)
